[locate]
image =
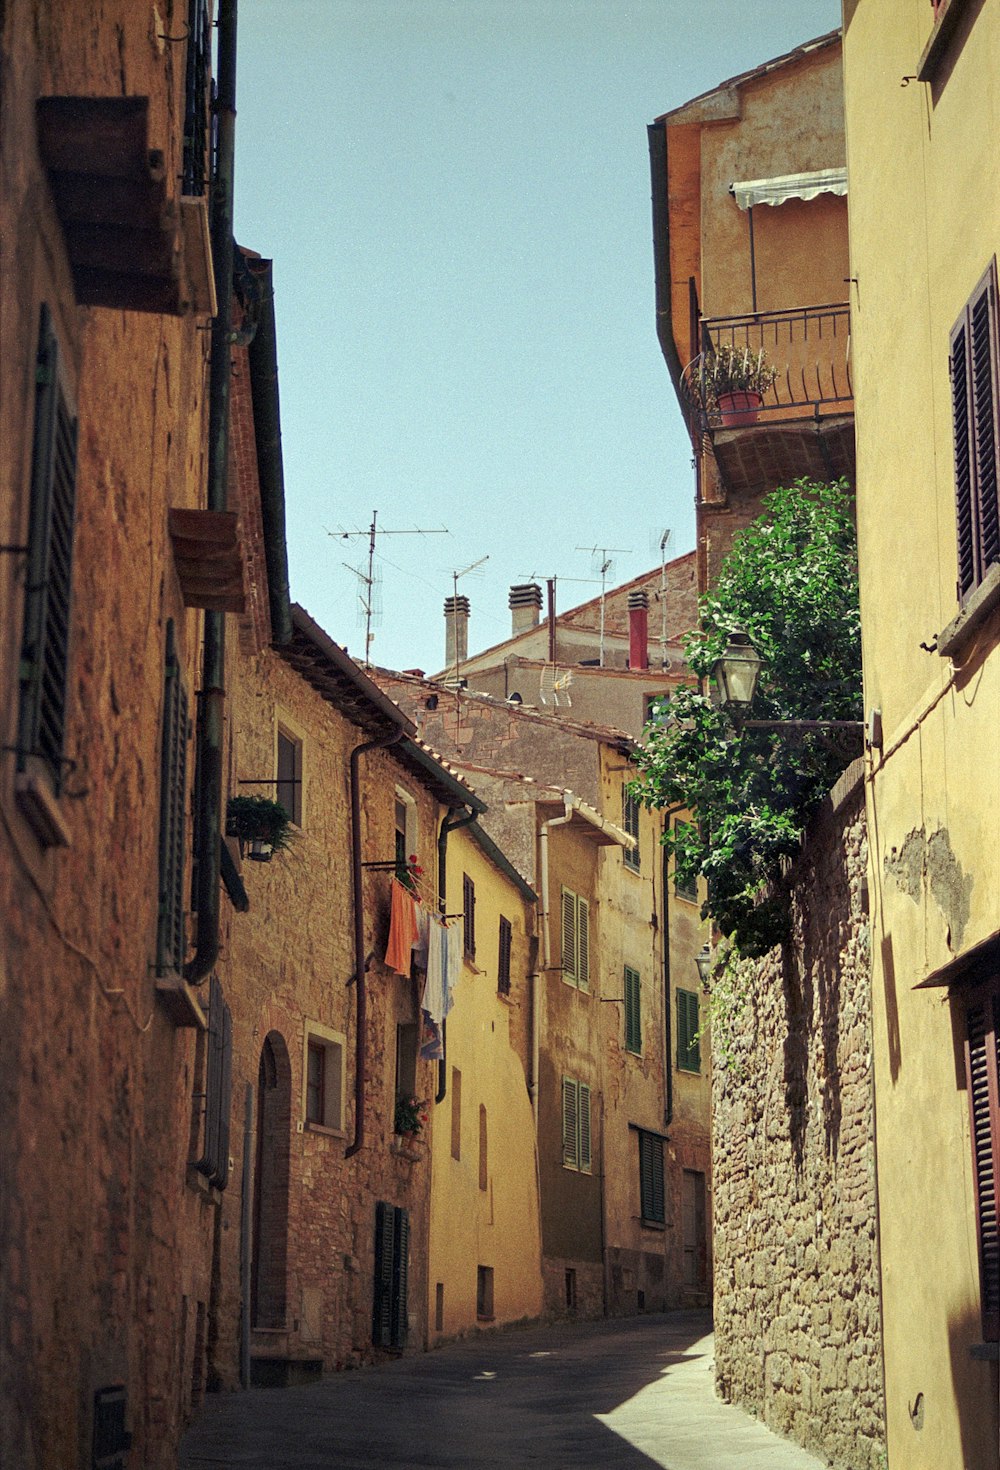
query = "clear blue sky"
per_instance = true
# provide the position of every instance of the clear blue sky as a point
(456, 196)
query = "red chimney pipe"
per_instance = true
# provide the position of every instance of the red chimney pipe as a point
(638, 630)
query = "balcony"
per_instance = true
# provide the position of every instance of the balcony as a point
(804, 427)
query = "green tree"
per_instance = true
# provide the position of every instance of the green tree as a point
(791, 582)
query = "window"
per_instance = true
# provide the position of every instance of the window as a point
(975, 347)
(468, 917)
(633, 1012)
(456, 1113)
(405, 835)
(630, 822)
(484, 1174)
(170, 942)
(392, 1246)
(323, 1094)
(407, 1045)
(651, 1205)
(484, 1292)
(439, 1306)
(503, 960)
(688, 1041)
(214, 1160)
(289, 770)
(575, 940)
(576, 1125)
(48, 576)
(684, 888)
(982, 1063)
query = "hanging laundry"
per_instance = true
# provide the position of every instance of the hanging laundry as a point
(402, 929)
(452, 962)
(423, 932)
(432, 1040)
(434, 997)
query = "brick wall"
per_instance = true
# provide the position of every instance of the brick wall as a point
(796, 1269)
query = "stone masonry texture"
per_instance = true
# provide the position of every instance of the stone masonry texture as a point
(797, 1286)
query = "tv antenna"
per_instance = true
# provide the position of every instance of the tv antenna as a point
(368, 597)
(369, 602)
(660, 543)
(454, 609)
(603, 565)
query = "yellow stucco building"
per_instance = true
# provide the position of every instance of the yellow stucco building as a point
(925, 232)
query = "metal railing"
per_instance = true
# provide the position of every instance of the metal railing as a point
(809, 346)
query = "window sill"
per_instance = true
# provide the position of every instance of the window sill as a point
(653, 1224)
(982, 603)
(945, 25)
(38, 804)
(180, 1001)
(403, 1147)
(323, 1130)
(985, 1352)
(197, 1182)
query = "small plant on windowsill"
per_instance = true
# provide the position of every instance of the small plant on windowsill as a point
(410, 1116)
(262, 826)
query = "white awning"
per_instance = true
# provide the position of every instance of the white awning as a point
(789, 186)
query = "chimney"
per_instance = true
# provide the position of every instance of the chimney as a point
(525, 602)
(638, 630)
(456, 630)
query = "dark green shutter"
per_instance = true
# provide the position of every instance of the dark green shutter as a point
(688, 1042)
(503, 961)
(651, 1177)
(45, 643)
(633, 1012)
(392, 1250)
(583, 1092)
(630, 822)
(214, 1161)
(583, 944)
(170, 946)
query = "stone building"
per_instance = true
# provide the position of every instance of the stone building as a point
(107, 1215)
(928, 430)
(622, 1085)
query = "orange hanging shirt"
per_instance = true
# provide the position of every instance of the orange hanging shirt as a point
(402, 929)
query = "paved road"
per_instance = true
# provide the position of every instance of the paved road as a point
(621, 1395)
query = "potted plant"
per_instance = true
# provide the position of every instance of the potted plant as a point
(262, 826)
(410, 1116)
(733, 380)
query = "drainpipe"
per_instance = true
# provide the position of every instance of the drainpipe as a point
(543, 835)
(211, 710)
(359, 937)
(449, 824)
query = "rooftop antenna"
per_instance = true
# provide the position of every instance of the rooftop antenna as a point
(454, 607)
(368, 603)
(603, 564)
(661, 546)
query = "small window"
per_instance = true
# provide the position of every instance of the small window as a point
(324, 1079)
(630, 822)
(407, 1044)
(469, 917)
(688, 1039)
(570, 1289)
(214, 1160)
(633, 1011)
(503, 959)
(575, 939)
(439, 1306)
(44, 664)
(685, 888)
(456, 1113)
(975, 393)
(170, 939)
(484, 1293)
(651, 1200)
(405, 835)
(484, 1172)
(576, 1125)
(289, 783)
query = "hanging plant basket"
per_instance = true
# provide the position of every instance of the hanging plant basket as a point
(261, 826)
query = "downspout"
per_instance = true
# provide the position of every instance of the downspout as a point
(668, 1038)
(536, 999)
(359, 938)
(657, 134)
(211, 711)
(448, 824)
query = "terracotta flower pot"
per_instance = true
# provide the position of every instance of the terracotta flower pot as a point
(738, 409)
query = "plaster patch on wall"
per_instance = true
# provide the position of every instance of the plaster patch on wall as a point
(906, 864)
(950, 887)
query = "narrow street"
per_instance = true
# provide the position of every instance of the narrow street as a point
(617, 1395)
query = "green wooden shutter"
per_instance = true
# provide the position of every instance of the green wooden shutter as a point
(633, 1013)
(583, 944)
(170, 944)
(401, 1274)
(45, 642)
(503, 961)
(570, 1124)
(651, 1177)
(630, 822)
(382, 1306)
(983, 345)
(569, 950)
(688, 1043)
(584, 1114)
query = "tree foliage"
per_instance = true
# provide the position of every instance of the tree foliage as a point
(791, 582)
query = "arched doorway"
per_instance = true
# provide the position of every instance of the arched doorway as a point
(269, 1257)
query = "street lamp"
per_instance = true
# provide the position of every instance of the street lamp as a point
(736, 670)
(705, 964)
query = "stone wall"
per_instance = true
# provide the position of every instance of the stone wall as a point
(796, 1251)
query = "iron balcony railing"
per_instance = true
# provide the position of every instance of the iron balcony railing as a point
(810, 348)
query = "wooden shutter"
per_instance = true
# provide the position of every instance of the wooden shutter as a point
(981, 1060)
(583, 944)
(170, 946)
(633, 1013)
(382, 1308)
(584, 1114)
(401, 1275)
(630, 822)
(503, 961)
(570, 1123)
(214, 1161)
(975, 376)
(688, 1045)
(469, 915)
(45, 641)
(568, 916)
(651, 1177)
